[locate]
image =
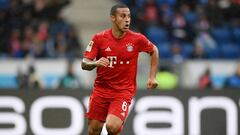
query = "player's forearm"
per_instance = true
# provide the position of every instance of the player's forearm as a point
(88, 64)
(154, 63)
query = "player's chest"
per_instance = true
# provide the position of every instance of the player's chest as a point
(121, 49)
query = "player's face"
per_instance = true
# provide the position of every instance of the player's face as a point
(122, 19)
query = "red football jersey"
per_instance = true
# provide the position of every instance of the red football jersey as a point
(120, 75)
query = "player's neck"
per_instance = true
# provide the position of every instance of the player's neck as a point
(117, 33)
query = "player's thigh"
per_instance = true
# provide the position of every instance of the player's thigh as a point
(95, 126)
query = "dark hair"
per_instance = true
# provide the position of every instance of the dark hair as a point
(115, 7)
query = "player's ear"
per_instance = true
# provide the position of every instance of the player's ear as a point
(113, 18)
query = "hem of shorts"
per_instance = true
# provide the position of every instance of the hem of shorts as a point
(94, 118)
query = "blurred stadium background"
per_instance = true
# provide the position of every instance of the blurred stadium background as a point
(42, 83)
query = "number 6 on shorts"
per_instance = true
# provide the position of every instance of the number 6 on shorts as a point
(124, 106)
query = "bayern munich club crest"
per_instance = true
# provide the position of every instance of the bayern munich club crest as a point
(129, 47)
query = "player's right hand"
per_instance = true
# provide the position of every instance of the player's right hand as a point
(102, 62)
(152, 83)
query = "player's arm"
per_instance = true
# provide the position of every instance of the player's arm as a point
(154, 58)
(88, 64)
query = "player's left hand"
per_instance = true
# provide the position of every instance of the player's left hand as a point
(152, 83)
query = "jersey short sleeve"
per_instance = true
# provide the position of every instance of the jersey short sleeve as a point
(91, 51)
(145, 44)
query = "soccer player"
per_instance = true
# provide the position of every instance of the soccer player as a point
(115, 54)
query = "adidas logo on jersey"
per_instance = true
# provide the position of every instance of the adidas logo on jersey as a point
(108, 49)
(123, 114)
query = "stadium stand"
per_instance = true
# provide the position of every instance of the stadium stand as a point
(58, 29)
(36, 29)
(184, 20)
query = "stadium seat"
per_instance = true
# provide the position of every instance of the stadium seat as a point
(230, 51)
(127, 2)
(157, 35)
(59, 27)
(221, 35)
(203, 2)
(140, 3)
(164, 50)
(213, 53)
(8, 81)
(4, 4)
(218, 81)
(51, 81)
(191, 17)
(187, 49)
(169, 2)
(236, 35)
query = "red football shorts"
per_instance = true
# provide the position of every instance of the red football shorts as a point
(100, 107)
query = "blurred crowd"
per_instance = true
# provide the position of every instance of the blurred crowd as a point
(189, 29)
(34, 80)
(210, 81)
(36, 28)
(168, 79)
(181, 29)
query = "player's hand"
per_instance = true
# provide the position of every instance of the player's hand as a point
(152, 83)
(102, 62)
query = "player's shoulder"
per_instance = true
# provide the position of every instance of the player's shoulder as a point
(135, 34)
(103, 33)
